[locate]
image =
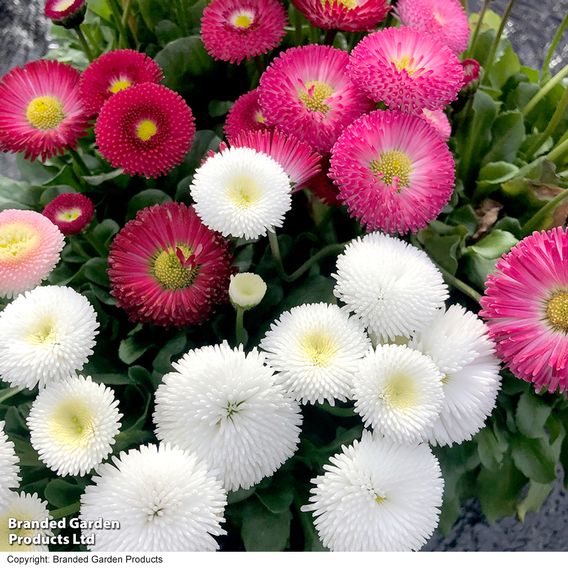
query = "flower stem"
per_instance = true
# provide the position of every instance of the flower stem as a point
(329, 37)
(545, 89)
(297, 27)
(65, 511)
(535, 222)
(477, 29)
(116, 12)
(554, 45)
(240, 327)
(558, 151)
(465, 5)
(8, 393)
(79, 161)
(84, 43)
(459, 284)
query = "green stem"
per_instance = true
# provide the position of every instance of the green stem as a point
(545, 89)
(465, 5)
(336, 410)
(535, 222)
(116, 12)
(84, 43)
(65, 511)
(329, 37)
(297, 27)
(91, 41)
(100, 251)
(9, 393)
(459, 284)
(558, 151)
(240, 326)
(80, 163)
(554, 45)
(477, 29)
(126, 13)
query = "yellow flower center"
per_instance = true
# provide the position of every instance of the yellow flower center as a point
(171, 272)
(319, 347)
(119, 85)
(17, 239)
(349, 4)
(400, 392)
(315, 95)
(45, 113)
(5, 532)
(379, 499)
(439, 18)
(72, 424)
(258, 117)
(393, 168)
(69, 214)
(146, 129)
(244, 192)
(242, 20)
(557, 311)
(405, 63)
(62, 5)
(43, 332)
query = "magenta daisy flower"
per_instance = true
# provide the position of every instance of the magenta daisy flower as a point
(345, 15)
(66, 13)
(471, 70)
(70, 212)
(444, 19)
(146, 129)
(169, 269)
(393, 171)
(41, 112)
(297, 158)
(245, 114)
(29, 250)
(307, 92)
(526, 308)
(233, 30)
(439, 121)
(113, 72)
(406, 69)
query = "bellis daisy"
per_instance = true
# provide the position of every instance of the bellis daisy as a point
(30, 245)
(393, 171)
(113, 72)
(41, 112)
(458, 343)
(306, 92)
(526, 308)
(398, 391)
(241, 422)
(406, 69)
(70, 212)
(233, 30)
(393, 287)
(67, 13)
(245, 114)
(241, 192)
(146, 130)
(164, 499)
(471, 70)
(9, 473)
(377, 496)
(316, 349)
(167, 268)
(439, 121)
(45, 335)
(73, 424)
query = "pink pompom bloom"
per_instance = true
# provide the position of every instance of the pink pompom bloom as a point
(113, 72)
(68, 13)
(169, 269)
(233, 30)
(306, 92)
(393, 171)
(406, 69)
(29, 250)
(345, 15)
(245, 114)
(445, 19)
(471, 71)
(146, 129)
(526, 308)
(439, 121)
(41, 112)
(297, 158)
(70, 212)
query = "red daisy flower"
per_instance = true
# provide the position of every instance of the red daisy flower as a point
(71, 212)
(67, 13)
(245, 114)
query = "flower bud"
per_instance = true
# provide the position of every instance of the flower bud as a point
(246, 290)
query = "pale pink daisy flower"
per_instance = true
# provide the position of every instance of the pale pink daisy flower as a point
(245, 114)
(439, 121)
(307, 92)
(393, 170)
(406, 69)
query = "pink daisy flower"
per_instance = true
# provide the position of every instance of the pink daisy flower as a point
(444, 19)
(393, 171)
(439, 121)
(169, 269)
(245, 114)
(41, 112)
(297, 158)
(233, 30)
(471, 70)
(526, 307)
(146, 129)
(66, 13)
(406, 69)
(306, 92)
(345, 15)
(113, 72)
(29, 250)
(70, 212)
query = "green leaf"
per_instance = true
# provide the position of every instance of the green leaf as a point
(494, 245)
(240, 495)
(111, 379)
(535, 458)
(538, 492)
(166, 31)
(131, 349)
(104, 232)
(162, 362)
(115, 175)
(153, 12)
(61, 493)
(146, 198)
(489, 450)
(312, 290)
(262, 530)
(34, 172)
(219, 108)
(279, 495)
(96, 271)
(532, 413)
(444, 249)
(507, 66)
(508, 135)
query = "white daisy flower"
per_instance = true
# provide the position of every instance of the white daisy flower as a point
(246, 290)
(45, 335)
(73, 424)
(241, 192)
(393, 287)
(398, 391)
(316, 349)
(224, 406)
(164, 499)
(377, 496)
(9, 473)
(24, 508)
(458, 343)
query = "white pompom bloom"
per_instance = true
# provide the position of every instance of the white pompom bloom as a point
(377, 496)
(9, 474)
(246, 290)
(24, 507)
(163, 498)
(458, 343)
(73, 424)
(398, 391)
(224, 406)
(241, 192)
(393, 287)
(316, 349)
(45, 335)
